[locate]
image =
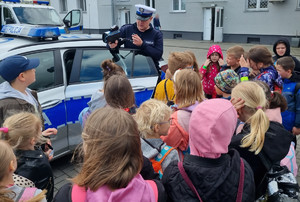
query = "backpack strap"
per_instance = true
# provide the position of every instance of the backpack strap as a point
(187, 180)
(78, 194)
(28, 193)
(154, 188)
(241, 182)
(165, 87)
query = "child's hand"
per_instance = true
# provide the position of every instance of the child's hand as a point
(221, 61)
(49, 131)
(254, 73)
(207, 62)
(238, 104)
(243, 62)
(296, 131)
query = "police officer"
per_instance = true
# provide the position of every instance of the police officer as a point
(141, 35)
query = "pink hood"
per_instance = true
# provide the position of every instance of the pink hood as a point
(137, 190)
(212, 125)
(214, 48)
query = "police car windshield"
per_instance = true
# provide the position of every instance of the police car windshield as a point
(38, 16)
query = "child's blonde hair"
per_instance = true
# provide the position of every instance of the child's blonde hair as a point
(255, 102)
(6, 156)
(188, 88)
(195, 63)
(179, 60)
(150, 113)
(22, 127)
(235, 51)
(111, 150)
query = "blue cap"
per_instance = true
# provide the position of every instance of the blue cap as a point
(143, 12)
(12, 66)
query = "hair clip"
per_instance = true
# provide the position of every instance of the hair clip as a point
(258, 107)
(4, 130)
(108, 68)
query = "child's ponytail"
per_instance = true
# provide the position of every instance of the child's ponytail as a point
(259, 123)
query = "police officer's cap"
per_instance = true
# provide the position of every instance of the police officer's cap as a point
(143, 12)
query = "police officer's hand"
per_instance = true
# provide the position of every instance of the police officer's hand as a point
(137, 40)
(113, 45)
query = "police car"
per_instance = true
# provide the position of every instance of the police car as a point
(69, 73)
(32, 13)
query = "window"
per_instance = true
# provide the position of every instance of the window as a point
(257, 4)
(63, 6)
(298, 5)
(150, 3)
(179, 5)
(45, 72)
(8, 17)
(82, 4)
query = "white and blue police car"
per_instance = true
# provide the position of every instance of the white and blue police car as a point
(69, 73)
(37, 13)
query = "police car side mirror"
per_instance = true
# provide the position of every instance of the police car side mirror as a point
(9, 21)
(67, 23)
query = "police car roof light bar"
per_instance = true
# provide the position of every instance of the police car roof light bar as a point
(27, 1)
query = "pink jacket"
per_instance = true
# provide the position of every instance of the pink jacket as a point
(208, 76)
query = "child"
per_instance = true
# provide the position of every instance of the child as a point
(23, 133)
(258, 134)
(233, 55)
(225, 81)
(153, 119)
(119, 94)
(109, 68)
(8, 191)
(112, 161)
(214, 171)
(282, 48)
(291, 117)
(15, 96)
(164, 89)
(260, 58)
(210, 69)
(189, 93)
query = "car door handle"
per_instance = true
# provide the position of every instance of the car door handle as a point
(138, 88)
(50, 103)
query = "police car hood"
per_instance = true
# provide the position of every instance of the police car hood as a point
(6, 91)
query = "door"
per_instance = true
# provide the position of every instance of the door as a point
(73, 20)
(124, 17)
(207, 24)
(218, 36)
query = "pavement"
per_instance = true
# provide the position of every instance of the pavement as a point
(64, 169)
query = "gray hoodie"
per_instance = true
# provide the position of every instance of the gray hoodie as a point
(151, 151)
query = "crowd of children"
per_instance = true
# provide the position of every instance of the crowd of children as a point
(204, 137)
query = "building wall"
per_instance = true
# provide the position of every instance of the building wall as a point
(239, 25)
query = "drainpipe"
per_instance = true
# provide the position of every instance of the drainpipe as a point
(113, 11)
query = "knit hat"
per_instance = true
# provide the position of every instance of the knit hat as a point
(214, 49)
(211, 128)
(227, 80)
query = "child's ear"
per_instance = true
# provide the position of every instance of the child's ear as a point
(156, 128)
(12, 166)
(21, 76)
(33, 141)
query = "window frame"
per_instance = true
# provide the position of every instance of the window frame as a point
(83, 7)
(298, 5)
(180, 2)
(62, 4)
(257, 4)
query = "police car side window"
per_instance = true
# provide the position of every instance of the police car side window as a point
(143, 66)
(45, 72)
(90, 65)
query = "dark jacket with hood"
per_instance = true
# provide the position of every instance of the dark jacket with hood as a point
(214, 179)
(276, 146)
(287, 53)
(34, 165)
